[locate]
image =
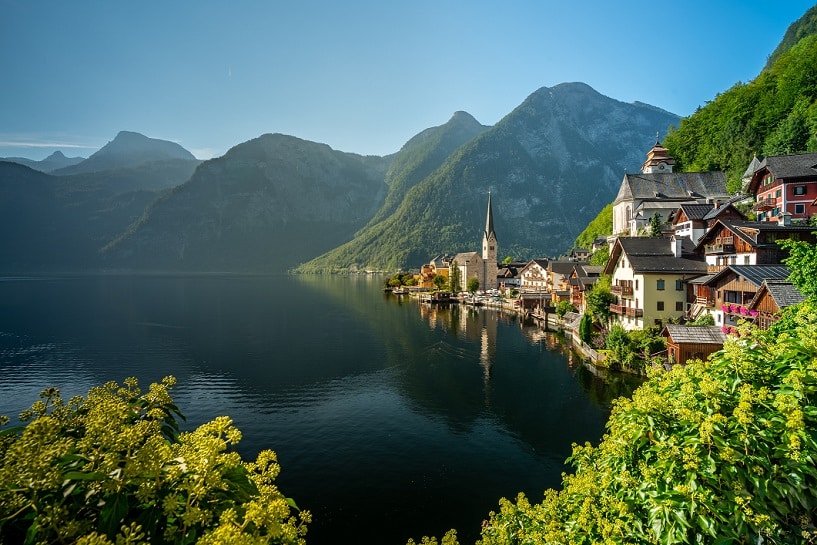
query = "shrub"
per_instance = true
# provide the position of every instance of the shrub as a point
(113, 467)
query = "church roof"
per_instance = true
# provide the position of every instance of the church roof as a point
(684, 186)
(489, 220)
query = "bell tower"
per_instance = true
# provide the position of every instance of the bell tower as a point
(489, 251)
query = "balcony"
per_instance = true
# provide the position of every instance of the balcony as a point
(724, 245)
(765, 204)
(634, 312)
(616, 309)
(621, 290)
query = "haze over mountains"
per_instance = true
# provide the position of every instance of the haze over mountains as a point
(275, 202)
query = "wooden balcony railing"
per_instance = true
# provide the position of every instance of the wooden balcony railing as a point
(621, 290)
(725, 245)
(765, 204)
(616, 309)
(635, 312)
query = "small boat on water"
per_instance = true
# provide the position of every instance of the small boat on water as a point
(399, 291)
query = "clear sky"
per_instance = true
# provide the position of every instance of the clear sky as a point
(363, 76)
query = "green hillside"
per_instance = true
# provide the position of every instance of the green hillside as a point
(775, 114)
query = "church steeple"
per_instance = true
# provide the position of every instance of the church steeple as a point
(489, 250)
(489, 220)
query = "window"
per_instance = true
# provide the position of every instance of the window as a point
(636, 283)
(799, 190)
(678, 285)
(778, 193)
(746, 260)
(659, 284)
(660, 305)
(679, 306)
(799, 208)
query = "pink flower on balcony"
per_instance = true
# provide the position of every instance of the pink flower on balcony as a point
(725, 308)
(725, 329)
(744, 311)
(753, 313)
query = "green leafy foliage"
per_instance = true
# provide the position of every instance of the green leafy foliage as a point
(114, 467)
(601, 225)
(802, 262)
(598, 300)
(563, 307)
(472, 284)
(715, 452)
(586, 328)
(774, 114)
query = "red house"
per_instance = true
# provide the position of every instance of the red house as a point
(785, 183)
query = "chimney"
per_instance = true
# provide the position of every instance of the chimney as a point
(675, 245)
(784, 219)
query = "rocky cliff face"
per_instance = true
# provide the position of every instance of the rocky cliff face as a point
(266, 205)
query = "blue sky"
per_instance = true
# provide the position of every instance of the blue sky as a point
(361, 76)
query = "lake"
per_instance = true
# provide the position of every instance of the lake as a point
(391, 419)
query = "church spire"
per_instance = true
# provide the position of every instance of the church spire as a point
(489, 220)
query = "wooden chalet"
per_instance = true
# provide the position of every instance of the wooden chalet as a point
(582, 278)
(686, 343)
(693, 220)
(772, 297)
(734, 287)
(734, 242)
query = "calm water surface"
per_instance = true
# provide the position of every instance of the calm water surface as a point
(390, 419)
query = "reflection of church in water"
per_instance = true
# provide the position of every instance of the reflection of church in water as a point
(477, 326)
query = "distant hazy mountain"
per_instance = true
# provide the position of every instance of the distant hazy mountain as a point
(53, 162)
(55, 223)
(266, 205)
(129, 149)
(551, 165)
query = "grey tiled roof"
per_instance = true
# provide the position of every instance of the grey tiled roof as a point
(654, 254)
(755, 274)
(673, 185)
(695, 334)
(791, 166)
(785, 294)
(696, 211)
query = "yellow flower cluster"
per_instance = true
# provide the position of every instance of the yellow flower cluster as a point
(113, 468)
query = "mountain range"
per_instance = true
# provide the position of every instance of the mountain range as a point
(277, 202)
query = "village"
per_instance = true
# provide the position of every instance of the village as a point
(684, 260)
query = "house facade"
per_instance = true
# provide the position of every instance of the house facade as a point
(733, 288)
(732, 242)
(772, 297)
(533, 277)
(785, 184)
(648, 277)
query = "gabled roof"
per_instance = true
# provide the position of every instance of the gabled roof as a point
(464, 257)
(718, 210)
(783, 292)
(748, 230)
(694, 334)
(695, 211)
(803, 165)
(655, 254)
(541, 263)
(561, 267)
(685, 186)
(754, 274)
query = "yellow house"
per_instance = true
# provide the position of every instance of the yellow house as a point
(648, 279)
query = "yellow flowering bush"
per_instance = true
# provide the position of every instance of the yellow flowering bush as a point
(722, 451)
(113, 467)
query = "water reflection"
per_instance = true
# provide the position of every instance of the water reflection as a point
(388, 415)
